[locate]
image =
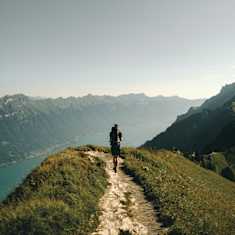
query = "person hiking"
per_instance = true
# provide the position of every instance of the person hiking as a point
(115, 142)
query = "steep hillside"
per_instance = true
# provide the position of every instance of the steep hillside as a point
(204, 130)
(59, 197)
(73, 192)
(30, 126)
(190, 200)
(217, 101)
(225, 139)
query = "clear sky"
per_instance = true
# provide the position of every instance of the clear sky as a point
(73, 47)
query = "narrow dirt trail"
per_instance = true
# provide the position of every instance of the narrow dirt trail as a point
(124, 207)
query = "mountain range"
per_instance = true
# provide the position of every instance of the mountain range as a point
(207, 128)
(31, 126)
(204, 130)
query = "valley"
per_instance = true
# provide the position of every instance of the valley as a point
(30, 125)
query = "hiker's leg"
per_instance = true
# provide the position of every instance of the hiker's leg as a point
(112, 150)
(115, 163)
(119, 150)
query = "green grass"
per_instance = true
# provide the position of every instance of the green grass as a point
(216, 162)
(189, 198)
(59, 197)
(221, 162)
(90, 147)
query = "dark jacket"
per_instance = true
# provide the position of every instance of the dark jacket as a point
(115, 136)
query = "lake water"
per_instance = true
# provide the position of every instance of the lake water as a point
(12, 175)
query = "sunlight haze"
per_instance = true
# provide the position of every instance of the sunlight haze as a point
(72, 48)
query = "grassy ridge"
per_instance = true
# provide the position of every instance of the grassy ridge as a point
(191, 200)
(91, 147)
(59, 197)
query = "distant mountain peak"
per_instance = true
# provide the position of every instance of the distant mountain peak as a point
(7, 99)
(18, 95)
(228, 88)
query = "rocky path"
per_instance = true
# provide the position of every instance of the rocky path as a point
(124, 207)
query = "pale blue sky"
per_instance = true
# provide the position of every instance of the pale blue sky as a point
(74, 47)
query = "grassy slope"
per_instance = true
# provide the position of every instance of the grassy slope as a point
(191, 200)
(220, 162)
(53, 199)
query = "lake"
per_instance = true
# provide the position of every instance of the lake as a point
(12, 175)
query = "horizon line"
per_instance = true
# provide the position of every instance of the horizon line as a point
(100, 95)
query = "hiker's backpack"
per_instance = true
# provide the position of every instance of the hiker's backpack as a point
(114, 135)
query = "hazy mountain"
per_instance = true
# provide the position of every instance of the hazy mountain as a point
(29, 125)
(208, 128)
(204, 130)
(225, 95)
